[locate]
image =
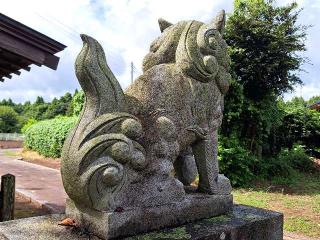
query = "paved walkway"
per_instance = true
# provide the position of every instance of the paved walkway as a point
(41, 184)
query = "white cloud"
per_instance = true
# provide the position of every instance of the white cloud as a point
(305, 91)
(124, 27)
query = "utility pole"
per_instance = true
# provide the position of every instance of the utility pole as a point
(131, 72)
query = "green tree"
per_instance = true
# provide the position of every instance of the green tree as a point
(59, 107)
(39, 101)
(8, 102)
(313, 100)
(36, 110)
(8, 120)
(300, 125)
(263, 40)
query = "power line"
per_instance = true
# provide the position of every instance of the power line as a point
(74, 35)
(66, 32)
(72, 30)
(133, 70)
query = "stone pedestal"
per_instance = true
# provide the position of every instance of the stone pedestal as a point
(243, 222)
(126, 222)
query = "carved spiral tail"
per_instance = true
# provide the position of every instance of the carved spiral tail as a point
(102, 148)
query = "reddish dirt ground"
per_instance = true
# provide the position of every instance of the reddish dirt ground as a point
(10, 144)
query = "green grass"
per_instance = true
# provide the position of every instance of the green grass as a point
(302, 225)
(297, 197)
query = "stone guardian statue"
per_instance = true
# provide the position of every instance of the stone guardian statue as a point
(128, 164)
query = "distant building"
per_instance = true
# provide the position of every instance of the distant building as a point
(315, 106)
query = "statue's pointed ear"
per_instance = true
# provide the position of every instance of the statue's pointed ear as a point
(219, 21)
(163, 24)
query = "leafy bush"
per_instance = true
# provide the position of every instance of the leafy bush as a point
(242, 167)
(28, 124)
(237, 163)
(284, 164)
(277, 166)
(298, 158)
(47, 137)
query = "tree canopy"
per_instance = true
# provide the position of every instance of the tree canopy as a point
(264, 45)
(264, 42)
(8, 120)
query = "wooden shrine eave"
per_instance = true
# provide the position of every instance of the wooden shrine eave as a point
(21, 46)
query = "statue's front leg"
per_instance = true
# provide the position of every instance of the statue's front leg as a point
(205, 154)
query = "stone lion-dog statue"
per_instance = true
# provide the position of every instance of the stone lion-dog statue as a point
(133, 154)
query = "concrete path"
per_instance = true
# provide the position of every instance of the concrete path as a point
(41, 184)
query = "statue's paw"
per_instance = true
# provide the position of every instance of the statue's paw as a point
(223, 185)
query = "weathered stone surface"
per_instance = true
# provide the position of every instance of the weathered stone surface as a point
(139, 149)
(123, 222)
(242, 223)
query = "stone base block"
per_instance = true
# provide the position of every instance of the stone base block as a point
(243, 223)
(128, 222)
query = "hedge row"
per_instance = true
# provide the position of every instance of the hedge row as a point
(47, 137)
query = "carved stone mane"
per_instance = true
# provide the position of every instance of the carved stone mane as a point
(141, 149)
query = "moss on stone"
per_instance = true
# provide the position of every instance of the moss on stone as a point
(219, 219)
(174, 234)
(251, 217)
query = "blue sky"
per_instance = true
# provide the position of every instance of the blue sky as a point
(125, 28)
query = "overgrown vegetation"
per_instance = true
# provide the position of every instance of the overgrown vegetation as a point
(263, 40)
(261, 135)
